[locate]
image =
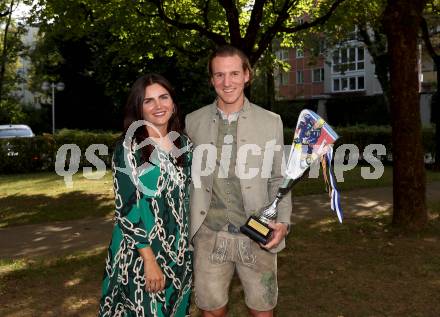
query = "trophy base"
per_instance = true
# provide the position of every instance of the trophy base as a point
(257, 230)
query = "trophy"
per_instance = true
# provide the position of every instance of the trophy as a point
(313, 140)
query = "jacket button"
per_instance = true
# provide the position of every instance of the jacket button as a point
(203, 212)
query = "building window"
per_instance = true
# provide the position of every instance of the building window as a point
(344, 84)
(321, 47)
(318, 75)
(348, 59)
(284, 78)
(282, 54)
(360, 82)
(300, 77)
(336, 85)
(354, 83)
(299, 53)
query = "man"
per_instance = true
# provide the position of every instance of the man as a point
(245, 175)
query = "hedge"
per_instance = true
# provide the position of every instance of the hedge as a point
(38, 153)
(363, 135)
(348, 110)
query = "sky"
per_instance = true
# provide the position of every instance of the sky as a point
(21, 11)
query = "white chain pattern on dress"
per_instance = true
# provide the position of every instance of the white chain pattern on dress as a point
(171, 176)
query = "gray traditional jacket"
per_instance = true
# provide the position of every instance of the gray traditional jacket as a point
(260, 153)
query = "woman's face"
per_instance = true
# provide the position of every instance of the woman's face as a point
(157, 108)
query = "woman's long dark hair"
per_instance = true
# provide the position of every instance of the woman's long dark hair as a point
(134, 111)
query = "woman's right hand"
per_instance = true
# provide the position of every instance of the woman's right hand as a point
(154, 277)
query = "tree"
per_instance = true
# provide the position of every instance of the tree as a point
(179, 26)
(6, 45)
(429, 35)
(382, 26)
(11, 47)
(364, 19)
(401, 20)
(250, 27)
(126, 39)
(98, 76)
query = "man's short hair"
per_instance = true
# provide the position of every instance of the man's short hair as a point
(229, 50)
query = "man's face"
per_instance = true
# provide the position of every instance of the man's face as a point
(229, 79)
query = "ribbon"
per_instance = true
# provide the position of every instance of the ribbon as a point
(335, 203)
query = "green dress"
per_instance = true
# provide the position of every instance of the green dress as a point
(152, 209)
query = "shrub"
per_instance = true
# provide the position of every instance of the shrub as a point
(20, 155)
(289, 110)
(38, 153)
(363, 135)
(352, 110)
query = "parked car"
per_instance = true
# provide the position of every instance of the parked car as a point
(18, 155)
(15, 131)
(8, 131)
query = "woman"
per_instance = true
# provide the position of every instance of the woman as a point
(149, 267)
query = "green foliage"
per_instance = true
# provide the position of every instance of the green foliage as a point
(11, 47)
(102, 58)
(290, 110)
(11, 111)
(84, 139)
(350, 110)
(130, 33)
(20, 155)
(38, 153)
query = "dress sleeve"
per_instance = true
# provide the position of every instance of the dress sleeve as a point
(131, 211)
(187, 167)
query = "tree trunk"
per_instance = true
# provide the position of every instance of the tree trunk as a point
(270, 90)
(377, 47)
(435, 110)
(401, 22)
(382, 65)
(435, 101)
(3, 58)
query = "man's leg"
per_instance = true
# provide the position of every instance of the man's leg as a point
(221, 312)
(213, 271)
(257, 313)
(258, 278)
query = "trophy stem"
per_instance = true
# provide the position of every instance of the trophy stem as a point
(270, 212)
(288, 184)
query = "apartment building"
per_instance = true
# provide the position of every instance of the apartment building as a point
(347, 69)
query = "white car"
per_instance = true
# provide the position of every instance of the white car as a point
(10, 131)
(15, 131)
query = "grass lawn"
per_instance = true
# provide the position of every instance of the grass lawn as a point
(43, 197)
(363, 268)
(353, 179)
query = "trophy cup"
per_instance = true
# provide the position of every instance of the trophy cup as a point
(313, 140)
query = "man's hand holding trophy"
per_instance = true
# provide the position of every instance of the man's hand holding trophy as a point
(313, 140)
